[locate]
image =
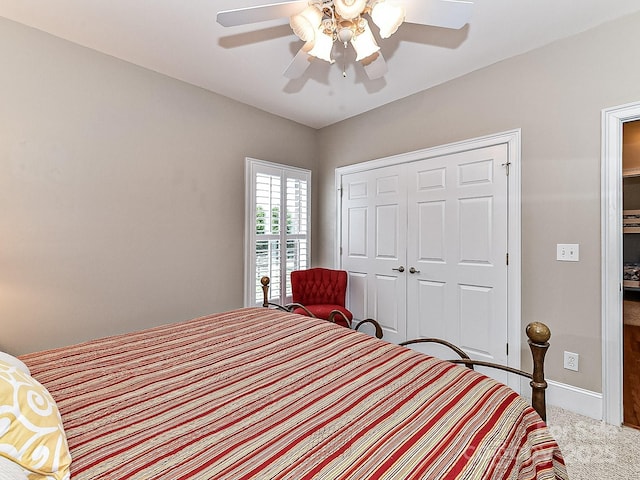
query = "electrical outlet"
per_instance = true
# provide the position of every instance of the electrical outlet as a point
(568, 252)
(571, 361)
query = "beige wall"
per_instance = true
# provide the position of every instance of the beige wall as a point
(555, 95)
(121, 193)
(121, 190)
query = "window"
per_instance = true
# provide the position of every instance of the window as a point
(277, 228)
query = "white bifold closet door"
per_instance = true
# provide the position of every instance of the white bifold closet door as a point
(425, 245)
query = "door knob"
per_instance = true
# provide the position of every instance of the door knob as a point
(413, 270)
(399, 269)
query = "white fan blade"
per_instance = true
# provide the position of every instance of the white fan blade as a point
(260, 13)
(375, 66)
(439, 13)
(300, 63)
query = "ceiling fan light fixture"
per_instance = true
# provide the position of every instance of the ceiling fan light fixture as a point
(345, 31)
(388, 17)
(349, 9)
(370, 59)
(321, 23)
(322, 47)
(306, 23)
(329, 25)
(364, 43)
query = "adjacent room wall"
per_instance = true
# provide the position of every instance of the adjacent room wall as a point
(555, 95)
(121, 193)
(631, 148)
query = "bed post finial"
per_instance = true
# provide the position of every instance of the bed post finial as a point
(539, 335)
(265, 291)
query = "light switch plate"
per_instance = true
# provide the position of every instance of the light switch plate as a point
(568, 252)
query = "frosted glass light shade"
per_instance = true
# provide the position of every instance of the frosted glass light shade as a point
(349, 9)
(322, 47)
(364, 44)
(306, 23)
(388, 18)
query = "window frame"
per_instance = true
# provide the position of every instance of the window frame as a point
(253, 167)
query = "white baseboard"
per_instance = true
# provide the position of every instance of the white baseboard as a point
(568, 397)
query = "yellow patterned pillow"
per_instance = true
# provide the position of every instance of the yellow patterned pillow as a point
(31, 432)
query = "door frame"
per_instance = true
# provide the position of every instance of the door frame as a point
(611, 267)
(512, 139)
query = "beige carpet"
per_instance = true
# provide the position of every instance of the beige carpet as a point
(593, 450)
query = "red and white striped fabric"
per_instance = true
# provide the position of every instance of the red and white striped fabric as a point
(261, 394)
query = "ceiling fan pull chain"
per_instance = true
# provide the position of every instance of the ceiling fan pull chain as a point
(344, 62)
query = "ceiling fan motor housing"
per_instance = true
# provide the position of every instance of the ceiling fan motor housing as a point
(345, 31)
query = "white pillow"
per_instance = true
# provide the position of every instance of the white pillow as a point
(12, 471)
(15, 362)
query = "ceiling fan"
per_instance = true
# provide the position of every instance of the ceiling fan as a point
(322, 23)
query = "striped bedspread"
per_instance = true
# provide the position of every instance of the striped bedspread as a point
(261, 394)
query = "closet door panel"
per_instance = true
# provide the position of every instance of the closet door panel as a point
(387, 232)
(461, 246)
(374, 247)
(476, 316)
(357, 232)
(425, 245)
(357, 293)
(431, 232)
(475, 230)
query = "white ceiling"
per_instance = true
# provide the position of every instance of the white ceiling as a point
(181, 39)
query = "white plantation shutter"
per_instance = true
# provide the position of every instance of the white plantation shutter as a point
(277, 228)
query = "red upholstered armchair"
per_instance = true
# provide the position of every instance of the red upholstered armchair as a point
(321, 291)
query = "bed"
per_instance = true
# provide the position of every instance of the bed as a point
(259, 393)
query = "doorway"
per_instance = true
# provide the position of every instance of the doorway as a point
(631, 273)
(613, 120)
